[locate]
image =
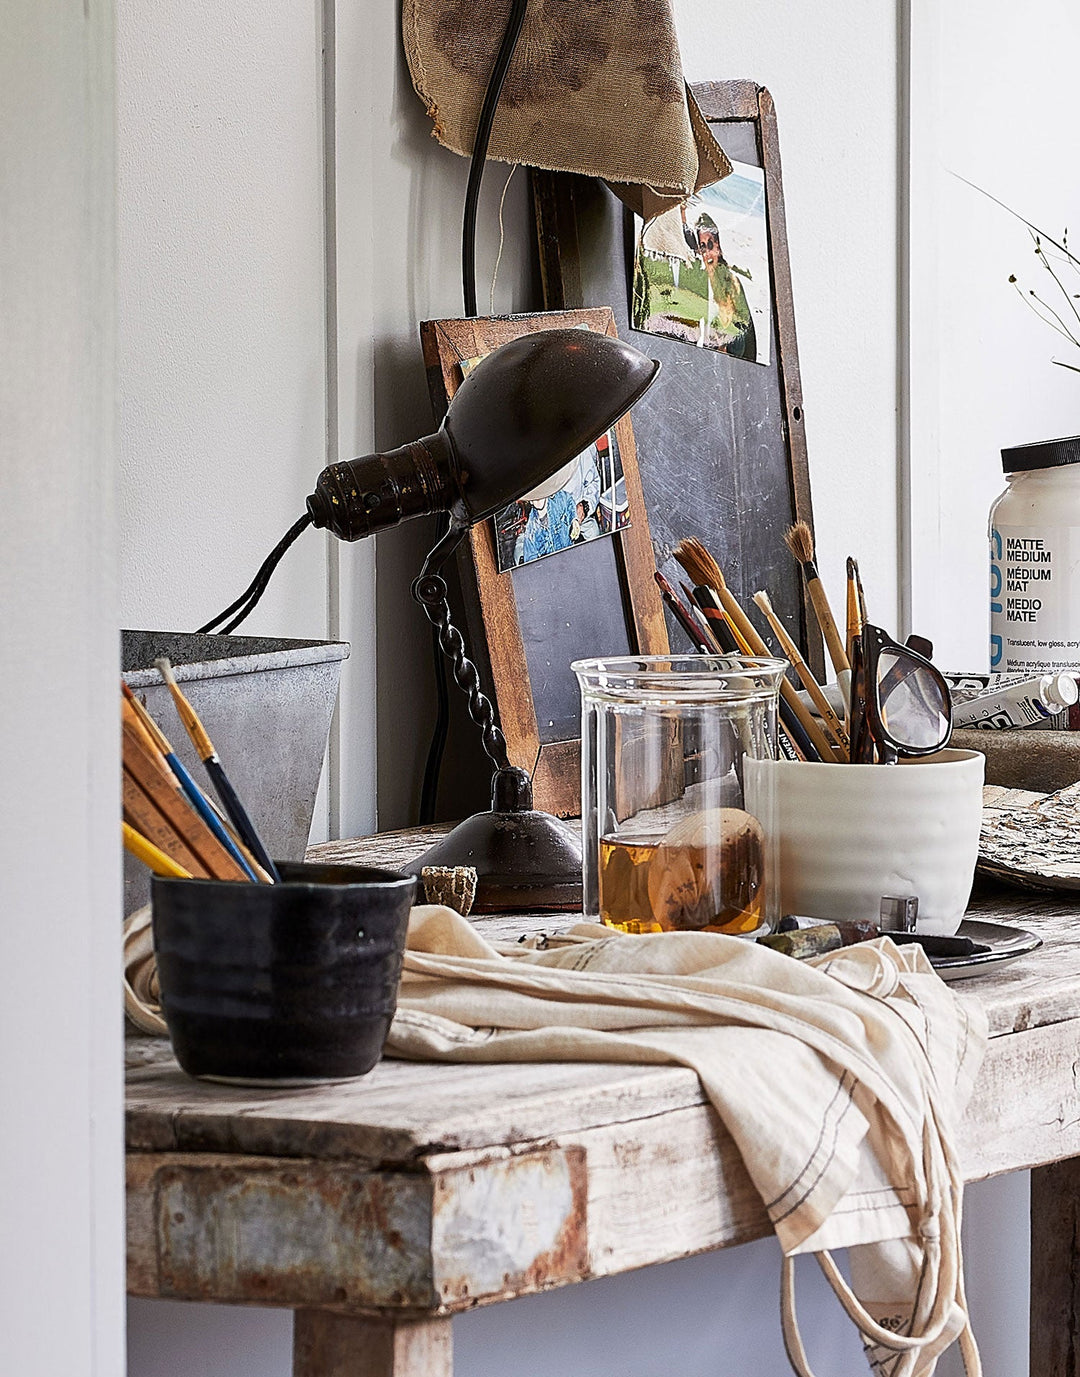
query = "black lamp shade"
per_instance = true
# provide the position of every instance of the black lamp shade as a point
(526, 410)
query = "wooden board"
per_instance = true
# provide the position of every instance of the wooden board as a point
(538, 1204)
(721, 443)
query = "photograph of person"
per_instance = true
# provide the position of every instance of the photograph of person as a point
(584, 500)
(702, 270)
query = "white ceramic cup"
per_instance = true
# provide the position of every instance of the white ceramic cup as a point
(850, 835)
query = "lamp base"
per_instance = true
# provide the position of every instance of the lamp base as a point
(524, 859)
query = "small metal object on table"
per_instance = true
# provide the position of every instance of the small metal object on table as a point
(380, 1208)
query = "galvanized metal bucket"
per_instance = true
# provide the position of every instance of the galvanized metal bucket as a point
(267, 705)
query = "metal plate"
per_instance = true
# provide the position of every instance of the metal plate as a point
(1006, 944)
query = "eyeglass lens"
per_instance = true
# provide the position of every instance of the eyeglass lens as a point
(911, 701)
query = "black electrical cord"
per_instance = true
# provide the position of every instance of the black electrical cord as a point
(503, 59)
(245, 603)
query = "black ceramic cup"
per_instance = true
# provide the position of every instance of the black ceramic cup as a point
(281, 984)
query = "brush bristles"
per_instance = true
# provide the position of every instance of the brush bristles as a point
(762, 599)
(800, 541)
(699, 564)
(163, 665)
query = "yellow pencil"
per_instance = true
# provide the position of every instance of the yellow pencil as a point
(152, 855)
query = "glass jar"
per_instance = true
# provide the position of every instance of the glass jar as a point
(677, 807)
(1035, 560)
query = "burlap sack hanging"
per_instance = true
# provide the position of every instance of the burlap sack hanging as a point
(595, 87)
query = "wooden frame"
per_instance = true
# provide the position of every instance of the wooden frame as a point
(491, 603)
(586, 256)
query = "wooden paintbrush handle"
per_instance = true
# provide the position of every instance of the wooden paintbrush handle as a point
(837, 654)
(833, 726)
(748, 632)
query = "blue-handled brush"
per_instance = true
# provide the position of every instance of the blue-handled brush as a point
(204, 747)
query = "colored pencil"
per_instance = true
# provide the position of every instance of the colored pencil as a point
(146, 766)
(151, 855)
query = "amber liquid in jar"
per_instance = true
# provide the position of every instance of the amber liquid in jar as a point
(705, 875)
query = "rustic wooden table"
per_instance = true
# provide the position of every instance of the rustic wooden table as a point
(377, 1210)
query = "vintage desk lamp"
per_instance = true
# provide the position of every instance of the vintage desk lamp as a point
(524, 412)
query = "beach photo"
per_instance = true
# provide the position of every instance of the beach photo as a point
(584, 500)
(702, 270)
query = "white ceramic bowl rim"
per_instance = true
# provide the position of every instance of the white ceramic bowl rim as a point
(948, 757)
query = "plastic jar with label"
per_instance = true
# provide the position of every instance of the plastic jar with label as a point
(1035, 560)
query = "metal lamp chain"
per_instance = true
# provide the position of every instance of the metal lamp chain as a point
(429, 590)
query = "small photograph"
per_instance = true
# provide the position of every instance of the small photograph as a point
(585, 500)
(702, 271)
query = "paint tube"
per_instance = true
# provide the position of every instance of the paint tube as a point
(1013, 701)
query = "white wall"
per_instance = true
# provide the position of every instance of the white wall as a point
(1005, 120)
(61, 1169)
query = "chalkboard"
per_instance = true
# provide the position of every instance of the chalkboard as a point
(527, 624)
(720, 441)
(561, 623)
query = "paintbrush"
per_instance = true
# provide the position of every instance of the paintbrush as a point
(156, 806)
(833, 726)
(860, 595)
(702, 621)
(854, 626)
(792, 740)
(703, 569)
(192, 791)
(800, 541)
(708, 604)
(204, 748)
(675, 606)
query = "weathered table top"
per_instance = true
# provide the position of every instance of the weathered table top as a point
(425, 1189)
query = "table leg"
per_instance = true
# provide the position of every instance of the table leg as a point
(1055, 1270)
(331, 1345)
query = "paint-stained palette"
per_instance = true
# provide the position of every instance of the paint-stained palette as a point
(1031, 840)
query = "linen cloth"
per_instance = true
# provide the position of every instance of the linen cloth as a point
(841, 1081)
(595, 87)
